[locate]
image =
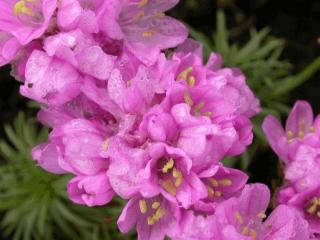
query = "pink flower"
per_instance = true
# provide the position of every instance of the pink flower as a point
(195, 225)
(90, 190)
(241, 218)
(308, 204)
(154, 217)
(158, 169)
(143, 27)
(304, 171)
(50, 80)
(48, 158)
(222, 183)
(9, 47)
(26, 20)
(82, 52)
(300, 128)
(79, 143)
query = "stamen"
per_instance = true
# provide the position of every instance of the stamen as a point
(169, 187)
(262, 215)
(301, 134)
(290, 134)
(169, 165)
(149, 33)
(217, 194)
(210, 192)
(150, 221)
(214, 182)
(142, 3)
(312, 129)
(252, 233)
(207, 114)
(188, 99)
(159, 15)
(245, 231)
(198, 108)
(155, 205)
(21, 8)
(184, 74)
(191, 81)
(159, 214)
(238, 217)
(178, 176)
(225, 182)
(140, 15)
(143, 206)
(105, 145)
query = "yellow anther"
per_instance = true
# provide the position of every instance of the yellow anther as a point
(245, 231)
(301, 134)
(210, 192)
(159, 15)
(191, 81)
(198, 108)
(184, 74)
(314, 206)
(214, 182)
(169, 187)
(143, 206)
(159, 214)
(225, 182)
(238, 217)
(178, 176)
(290, 134)
(217, 194)
(155, 205)
(105, 144)
(207, 114)
(21, 8)
(149, 33)
(142, 3)
(140, 15)
(252, 233)
(302, 125)
(188, 99)
(312, 129)
(169, 165)
(262, 215)
(150, 221)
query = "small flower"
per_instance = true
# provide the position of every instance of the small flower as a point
(241, 218)
(154, 217)
(90, 190)
(300, 128)
(26, 20)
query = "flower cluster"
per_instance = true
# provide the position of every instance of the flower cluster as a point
(135, 112)
(298, 146)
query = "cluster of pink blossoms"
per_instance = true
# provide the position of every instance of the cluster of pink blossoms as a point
(150, 126)
(298, 146)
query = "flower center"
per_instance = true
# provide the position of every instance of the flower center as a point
(301, 132)
(314, 207)
(154, 211)
(29, 12)
(214, 184)
(247, 229)
(186, 75)
(196, 109)
(170, 177)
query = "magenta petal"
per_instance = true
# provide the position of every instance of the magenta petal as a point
(47, 157)
(129, 216)
(275, 135)
(285, 223)
(301, 116)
